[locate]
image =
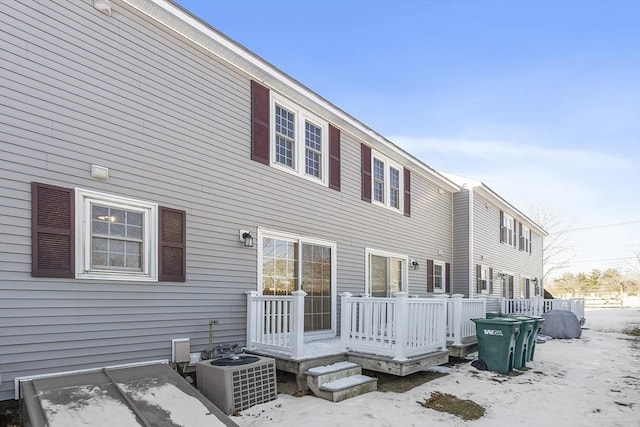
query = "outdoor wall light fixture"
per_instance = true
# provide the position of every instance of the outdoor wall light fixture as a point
(414, 264)
(534, 281)
(501, 275)
(246, 238)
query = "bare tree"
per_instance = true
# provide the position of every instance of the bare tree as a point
(557, 251)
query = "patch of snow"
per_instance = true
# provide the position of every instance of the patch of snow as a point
(593, 381)
(343, 383)
(441, 369)
(335, 367)
(91, 406)
(184, 410)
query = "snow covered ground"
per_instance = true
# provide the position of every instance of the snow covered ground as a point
(591, 381)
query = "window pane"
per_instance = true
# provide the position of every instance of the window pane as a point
(285, 136)
(279, 267)
(313, 149)
(378, 180)
(394, 188)
(316, 263)
(378, 276)
(116, 242)
(396, 276)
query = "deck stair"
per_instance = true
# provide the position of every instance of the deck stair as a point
(339, 381)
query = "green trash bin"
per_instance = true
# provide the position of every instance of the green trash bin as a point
(537, 327)
(492, 314)
(496, 343)
(523, 341)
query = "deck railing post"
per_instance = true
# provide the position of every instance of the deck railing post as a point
(539, 305)
(251, 318)
(297, 323)
(400, 325)
(345, 317)
(457, 319)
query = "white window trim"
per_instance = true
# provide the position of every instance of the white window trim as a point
(510, 230)
(280, 235)
(83, 200)
(405, 270)
(504, 285)
(443, 289)
(301, 116)
(488, 278)
(388, 164)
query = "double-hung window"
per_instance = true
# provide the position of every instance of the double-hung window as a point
(387, 182)
(386, 273)
(525, 238)
(507, 230)
(439, 276)
(299, 141)
(116, 237)
(485, 278)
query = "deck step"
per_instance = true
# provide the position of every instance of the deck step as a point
(339, 381)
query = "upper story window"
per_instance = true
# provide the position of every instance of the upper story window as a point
(525, 238)
(299, 141)
(507, 229)
(116, 237)
(387, 182)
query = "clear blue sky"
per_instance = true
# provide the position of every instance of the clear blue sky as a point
(540, 100)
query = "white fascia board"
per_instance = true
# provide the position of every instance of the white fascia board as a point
(483, 189)
(196, 30)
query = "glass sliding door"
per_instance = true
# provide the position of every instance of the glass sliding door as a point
(387, 274)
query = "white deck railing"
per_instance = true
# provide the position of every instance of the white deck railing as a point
(460, 311)
(276, 322)
(399, 327)
(538, 306)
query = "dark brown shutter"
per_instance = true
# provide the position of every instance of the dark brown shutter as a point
(447, 282)
(529, 242)
(429, 275)
(478, 278)
(172, 254)
(502, 229)
(334, 157)
(490, 280)
(259, 123)
(515, 233)
(365, 164)
(52, 231)
(407, 192)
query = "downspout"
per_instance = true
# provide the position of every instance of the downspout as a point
(470, 242)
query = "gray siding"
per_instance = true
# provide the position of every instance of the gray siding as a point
(501, 257)
(172, 125)
(460, 267)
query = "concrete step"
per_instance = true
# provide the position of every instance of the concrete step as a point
(339, 381)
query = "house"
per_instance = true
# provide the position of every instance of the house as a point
(154, 172)
(497, 248)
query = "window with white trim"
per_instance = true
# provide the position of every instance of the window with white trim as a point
(439, 276)
(386, 273)
(485, 278)
(387, 182)
(299, 141)
(525, 290)
(525, 238)
(116, 237)
(507, 230)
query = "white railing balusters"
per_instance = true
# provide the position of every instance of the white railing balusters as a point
(538, 306)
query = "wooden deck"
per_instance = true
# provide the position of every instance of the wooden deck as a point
(322, 353)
